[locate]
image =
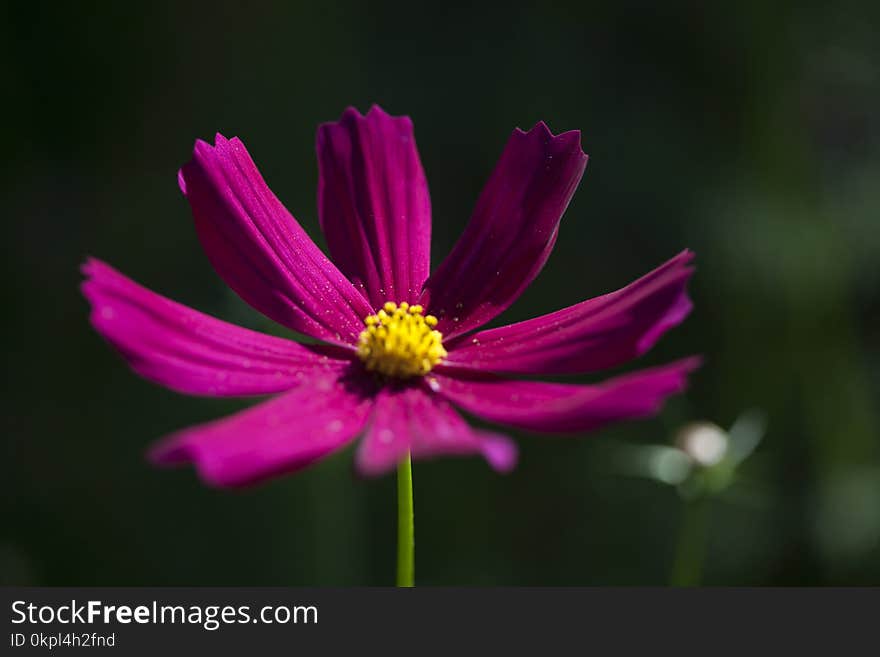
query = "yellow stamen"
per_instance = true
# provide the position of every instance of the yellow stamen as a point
(400, 342)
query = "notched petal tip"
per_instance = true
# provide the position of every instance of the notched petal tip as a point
(168, 452)
(690, 364)
(673, 379)
(204, 148)
(98, 272)
(172, 453)
(376, 110)
(350, 113)
(352, 116)
(570, 140)
(684, 257)
(403, 122)
(89, 266)
(202, 154)
(94, 270)
(279, 436)
(542, 130)
(98, 275)
(567, 408)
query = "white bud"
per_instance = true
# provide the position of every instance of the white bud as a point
(705, 443)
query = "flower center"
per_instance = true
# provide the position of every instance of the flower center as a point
(400, 342)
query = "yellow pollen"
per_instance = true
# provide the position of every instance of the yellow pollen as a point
(400, 342)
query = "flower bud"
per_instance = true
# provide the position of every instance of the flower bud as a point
(704, 442)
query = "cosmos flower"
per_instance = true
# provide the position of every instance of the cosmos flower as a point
(399, 353)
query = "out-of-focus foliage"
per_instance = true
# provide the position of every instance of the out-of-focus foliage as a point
(749, 132)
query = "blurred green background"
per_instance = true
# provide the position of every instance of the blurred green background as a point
(749, 133)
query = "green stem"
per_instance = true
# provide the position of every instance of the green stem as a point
(690, 552)
(406, 532)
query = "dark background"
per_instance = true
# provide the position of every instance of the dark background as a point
(749, 133)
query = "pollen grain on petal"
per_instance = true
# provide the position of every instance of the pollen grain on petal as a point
(400, 342)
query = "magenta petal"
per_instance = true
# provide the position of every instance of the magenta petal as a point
(412, 419)
(261, 251)
(278, 436)
(559, 407)
(592, 335)
(374, 205)
(190, 352)
(511, 232)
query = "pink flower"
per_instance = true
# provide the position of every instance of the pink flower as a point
(399, 352)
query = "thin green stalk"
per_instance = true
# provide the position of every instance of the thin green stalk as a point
(406, 532)
(690, 552)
